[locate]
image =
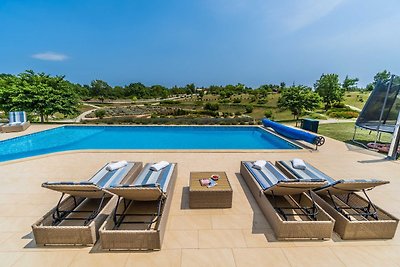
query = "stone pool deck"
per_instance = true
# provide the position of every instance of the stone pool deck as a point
(239, 236)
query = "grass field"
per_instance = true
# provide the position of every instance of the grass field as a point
(344, 132)
(353, 99)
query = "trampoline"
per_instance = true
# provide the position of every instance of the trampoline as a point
(381, 111)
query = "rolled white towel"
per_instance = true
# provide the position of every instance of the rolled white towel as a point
(299, 164)
(116, 165)
(159, 166)
(259, 164)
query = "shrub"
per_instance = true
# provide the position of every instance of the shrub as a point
(100, 113)
(249, 108)
(211, 106)
(339, 105)
(268, 114)
(238, 113)
(344, 114)
(170, 102)
(262, 101)
(237, 100)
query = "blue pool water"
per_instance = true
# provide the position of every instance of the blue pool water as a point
(68, 138)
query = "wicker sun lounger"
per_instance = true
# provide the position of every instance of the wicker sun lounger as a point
(357, 217)
(292, 212)
(17, 122)
(139, 219)
(76, 219)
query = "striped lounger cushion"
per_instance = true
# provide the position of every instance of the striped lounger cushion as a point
(149, 178)
(17, 116)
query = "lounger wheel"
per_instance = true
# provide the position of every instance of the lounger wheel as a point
(320, 140)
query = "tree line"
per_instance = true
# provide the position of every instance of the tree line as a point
(45, 95)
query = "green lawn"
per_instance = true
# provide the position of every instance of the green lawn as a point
(344, 132)
(353, 99)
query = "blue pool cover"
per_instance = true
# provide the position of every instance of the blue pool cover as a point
(290, 132)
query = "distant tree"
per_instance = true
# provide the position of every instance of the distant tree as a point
(191, 88)
(282, 85)
(38, 93)
(382, 76)
(298, 99)
(328, 87)
(350, 84)
(100, 89)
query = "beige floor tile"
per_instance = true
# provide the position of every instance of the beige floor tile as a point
(164, 258)
(181, 239)
(9, 258)
(194, 222)
(248, 221)
(16, 224)
(221, 239)
(261, 238)
(247, 257)
(365, 256)
(312, 256)
(99, 259)
(207, 257)
(44, 259)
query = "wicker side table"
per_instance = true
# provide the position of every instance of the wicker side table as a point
(219, 196)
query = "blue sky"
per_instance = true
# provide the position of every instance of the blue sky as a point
(202, 41)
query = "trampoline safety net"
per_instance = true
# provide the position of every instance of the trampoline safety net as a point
(382, 107)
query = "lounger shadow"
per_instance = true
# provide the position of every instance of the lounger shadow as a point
(76, 219)
(290, 210)
(356, 216)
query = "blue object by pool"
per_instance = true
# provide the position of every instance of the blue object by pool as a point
(68, 138)
(293, 133)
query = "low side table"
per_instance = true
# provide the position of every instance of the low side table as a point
(219, 196)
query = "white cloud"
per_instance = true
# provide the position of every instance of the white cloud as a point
(50, 56)
(307, 12)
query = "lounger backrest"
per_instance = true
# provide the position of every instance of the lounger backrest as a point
(104, 178)
(148, 186)
(93, 187)
(17, 116)
(273, 181)
(268, 176)
(334, 187)
(151, 178)
(310, 173)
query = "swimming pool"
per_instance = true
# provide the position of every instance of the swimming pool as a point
(67, 138)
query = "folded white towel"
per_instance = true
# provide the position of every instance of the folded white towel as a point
(116, 165)
(259, 164)
(15, 123)
(299, 164)
(159, 165)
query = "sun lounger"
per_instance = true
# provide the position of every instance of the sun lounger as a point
(17, 122)
(139, 219)
(357, 217)
(287, 204)
(77, 218)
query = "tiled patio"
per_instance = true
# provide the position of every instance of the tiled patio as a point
(239, 236)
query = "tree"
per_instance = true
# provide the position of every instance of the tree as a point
(383, 76)
(100, 89)
(328, 87)
(299, 99)
(350, 84)
(38, 93)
